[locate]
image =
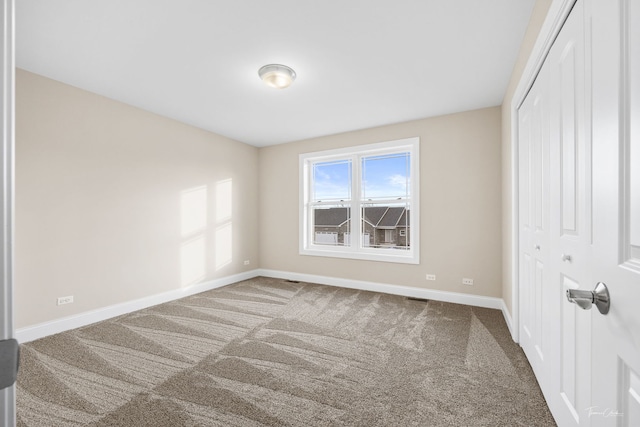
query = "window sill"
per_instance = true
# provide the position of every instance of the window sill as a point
(411, 258)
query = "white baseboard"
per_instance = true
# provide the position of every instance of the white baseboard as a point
(509, 320)
(454, 297)
(41, 330)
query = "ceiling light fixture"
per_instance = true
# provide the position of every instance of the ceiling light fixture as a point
(277, 76)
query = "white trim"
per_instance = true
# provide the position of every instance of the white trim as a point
(557, 14)
(7, 149)
(41, 330)
(364, 254)
(509, 321)
(408, 291)
(354, 154)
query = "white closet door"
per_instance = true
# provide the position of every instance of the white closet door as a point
(570, 221)
(616, 243)
(584, 110)
(534, 225)
(555, 224)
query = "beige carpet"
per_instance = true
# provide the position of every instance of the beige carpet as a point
(271, 352)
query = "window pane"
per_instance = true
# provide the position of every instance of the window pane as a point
(386, 226)
(386, 177)
(357, 202)
(332, 225)
(332, 181)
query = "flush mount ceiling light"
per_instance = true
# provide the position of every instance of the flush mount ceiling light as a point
(277, 76)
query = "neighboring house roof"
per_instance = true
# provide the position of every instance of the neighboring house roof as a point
(332, 217)
(391, 218)
(379, 216)
(405, 219)
(373, 215)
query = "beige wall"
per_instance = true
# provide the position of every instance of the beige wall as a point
(114, 203)
(538, 16)
(460, 205)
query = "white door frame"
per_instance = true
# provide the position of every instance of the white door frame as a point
(557, 14)
(7, 125)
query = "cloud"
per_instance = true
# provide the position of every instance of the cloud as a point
(320, 175)
(397, 180)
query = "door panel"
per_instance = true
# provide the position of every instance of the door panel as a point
(630, 396)
(525, 294)
(570, 220)
(525, 222)
(540, 151)
(560, 148)
(569, 353)
(568, 143)
(587, 363)
(534, 217)
(616, 336)
(539, 315)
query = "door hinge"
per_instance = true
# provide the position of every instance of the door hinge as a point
(9, 362)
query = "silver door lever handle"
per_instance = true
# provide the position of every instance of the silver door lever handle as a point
(566, 257)
(585, 299)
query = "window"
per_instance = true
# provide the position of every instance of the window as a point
(361, 202)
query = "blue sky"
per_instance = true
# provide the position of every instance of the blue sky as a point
(383, 177)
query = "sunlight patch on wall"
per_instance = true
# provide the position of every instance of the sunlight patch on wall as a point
(224, 245)
(224, 229)
(192, 261)
(193, 210)
(223, 200)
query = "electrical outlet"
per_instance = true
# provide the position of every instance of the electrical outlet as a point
(431, 277)
(246, 262)
(65, 300)
(466, 281)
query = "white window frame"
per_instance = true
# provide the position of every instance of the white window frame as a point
(306, 246)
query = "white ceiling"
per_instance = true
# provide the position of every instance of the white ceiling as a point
(360, 63)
